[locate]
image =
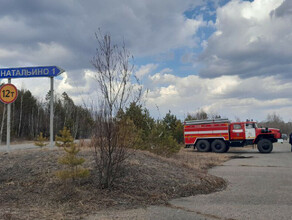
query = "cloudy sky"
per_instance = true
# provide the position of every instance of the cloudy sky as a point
(227, 57)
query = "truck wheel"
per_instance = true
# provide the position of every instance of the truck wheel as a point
(265, 146)
(203, 146)
(218, 146)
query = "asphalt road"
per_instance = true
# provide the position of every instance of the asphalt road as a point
(28, 145)
(12, 147)
(259, 187)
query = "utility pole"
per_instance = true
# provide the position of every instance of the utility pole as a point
(8, 122)
(52, 113)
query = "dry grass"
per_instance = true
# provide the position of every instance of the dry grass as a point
(29, 188)
(191, 159)
(198, 160)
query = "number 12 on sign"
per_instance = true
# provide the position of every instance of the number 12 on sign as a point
(8, 93)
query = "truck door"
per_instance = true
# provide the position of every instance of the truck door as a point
(250, 131)
(237, 131)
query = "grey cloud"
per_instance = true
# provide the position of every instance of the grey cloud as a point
(76, 78)
(284, 10)
(262, 89)
(148, 27)
(248, 47)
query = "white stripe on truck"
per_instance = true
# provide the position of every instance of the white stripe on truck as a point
(207, 132)
(238, 130)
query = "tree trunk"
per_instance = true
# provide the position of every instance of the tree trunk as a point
(76, 125)
(20, 117)
(37, 121)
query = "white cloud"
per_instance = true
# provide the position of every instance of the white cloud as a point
(250, 40)
(145, 70)
(229, 96)
(166, 70)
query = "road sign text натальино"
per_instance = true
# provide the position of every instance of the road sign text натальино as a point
(23, 72)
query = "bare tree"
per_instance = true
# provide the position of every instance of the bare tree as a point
(237, 119)
(274, 120)
(118, 87)
(199, 115)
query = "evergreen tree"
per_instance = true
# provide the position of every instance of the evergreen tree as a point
(161, 142)
(70, 160)
(174, 127)
(41, 140)
(141, 119)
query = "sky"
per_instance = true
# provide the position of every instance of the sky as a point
(227, 57)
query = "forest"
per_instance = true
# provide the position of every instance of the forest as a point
(30, 116)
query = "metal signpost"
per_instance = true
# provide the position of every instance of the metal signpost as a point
(27, 72)
(8, 94)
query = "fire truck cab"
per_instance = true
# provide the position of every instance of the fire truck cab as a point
(219, 135)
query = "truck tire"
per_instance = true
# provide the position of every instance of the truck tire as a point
(265, 146)
(203, 146)
(218, 146)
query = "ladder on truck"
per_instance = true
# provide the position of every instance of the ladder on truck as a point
(207, 121)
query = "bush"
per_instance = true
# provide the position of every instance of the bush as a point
(111, 144)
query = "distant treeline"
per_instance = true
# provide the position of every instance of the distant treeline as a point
(30, 116)
(274, 121)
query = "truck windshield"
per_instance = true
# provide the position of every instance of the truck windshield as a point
(250, 125)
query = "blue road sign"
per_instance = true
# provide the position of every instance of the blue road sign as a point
(37, 71)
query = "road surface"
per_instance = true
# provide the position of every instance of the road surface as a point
(28, 145)
(12, 147)
(259, 187)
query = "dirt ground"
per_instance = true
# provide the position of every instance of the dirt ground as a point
(29, 188)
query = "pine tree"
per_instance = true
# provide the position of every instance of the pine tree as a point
(70, 160)
(65, 139)
(41, 141)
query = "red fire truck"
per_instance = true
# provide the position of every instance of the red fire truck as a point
(219, 134)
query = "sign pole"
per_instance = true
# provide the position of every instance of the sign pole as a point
(8, 123)
(52, 113)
